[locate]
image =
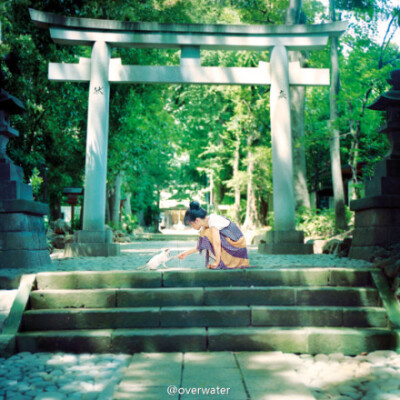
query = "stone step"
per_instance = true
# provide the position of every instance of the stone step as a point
(313, 340)
(202, 316)
(288, 340)
(319, 316)
(205, 278)
(126, 341)
(197, 296)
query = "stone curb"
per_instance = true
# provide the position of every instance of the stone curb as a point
(389, 301)
(14, 319)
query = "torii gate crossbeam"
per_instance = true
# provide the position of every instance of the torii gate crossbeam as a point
(101, 70)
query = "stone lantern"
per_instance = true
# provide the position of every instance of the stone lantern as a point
(390, 102)
(23, 242)
(377, 216)
(9, 105)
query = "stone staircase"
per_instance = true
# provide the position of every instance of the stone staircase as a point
(295, 310)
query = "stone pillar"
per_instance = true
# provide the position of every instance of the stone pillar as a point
(23, 242)
(281, 135)
(284, 239)
(94, 204)
(94, 240)
(377, 215)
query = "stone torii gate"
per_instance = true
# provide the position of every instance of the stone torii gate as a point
(101, 70)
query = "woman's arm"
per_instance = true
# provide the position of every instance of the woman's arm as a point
(186, 253)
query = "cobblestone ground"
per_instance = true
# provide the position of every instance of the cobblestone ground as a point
(134, 255)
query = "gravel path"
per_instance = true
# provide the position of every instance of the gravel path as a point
(134, 255)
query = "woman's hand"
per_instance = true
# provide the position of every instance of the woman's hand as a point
(186, 253)
(213, 265)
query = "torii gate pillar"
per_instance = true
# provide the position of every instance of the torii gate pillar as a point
(284, 239)
(94, 240)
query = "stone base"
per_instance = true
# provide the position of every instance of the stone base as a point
(377, 217)
(375, 202)
(92, 244)
(286, 248)
(25, 258)
(93, 236)
(364, 252)
(23, 242)
(92, 249)
(285, 242)
(376, 236)
(377, 225)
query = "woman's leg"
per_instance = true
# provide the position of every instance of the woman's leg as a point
(233, 253)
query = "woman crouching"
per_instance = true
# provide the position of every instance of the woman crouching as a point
(219, 237)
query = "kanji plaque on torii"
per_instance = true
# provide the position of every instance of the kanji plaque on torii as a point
(101, 70)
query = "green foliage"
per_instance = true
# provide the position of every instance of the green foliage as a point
(263, 173)
(76, 223)
(242, 214)
(271, 219)
(316, 223)
(36, 181)
(129, 222)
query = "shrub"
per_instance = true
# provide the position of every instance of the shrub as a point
(316, 223)
(129, 222)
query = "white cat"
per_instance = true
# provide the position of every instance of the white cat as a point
(157, 260)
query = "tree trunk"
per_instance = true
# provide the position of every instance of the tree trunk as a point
(212, 190)
(336, 167)
(302, 196)
(355, 131)
(108, 206)
(264, 208)
(157, 215)
(236, 209)
(127, 204)
(141, 218)
(116, 199)
(252, 220)
(355, 145)
(294, 15)
(294, 12)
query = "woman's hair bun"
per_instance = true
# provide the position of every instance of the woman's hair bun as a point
(195, 211)
(194, 205)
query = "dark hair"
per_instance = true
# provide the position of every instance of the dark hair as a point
(193, 212)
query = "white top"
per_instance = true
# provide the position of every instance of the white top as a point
(216, 221)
